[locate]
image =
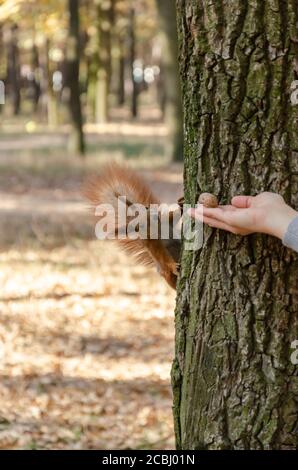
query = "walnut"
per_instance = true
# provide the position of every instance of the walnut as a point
(208, 200)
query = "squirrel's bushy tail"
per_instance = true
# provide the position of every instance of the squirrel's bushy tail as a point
(115, 181)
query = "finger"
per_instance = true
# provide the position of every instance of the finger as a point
(220, 212)
(195, 213)
(242, 202)
(214, 223)
(210, 212)
(225, 214)
(201, 211)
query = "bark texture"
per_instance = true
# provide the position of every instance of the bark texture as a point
(233, 381)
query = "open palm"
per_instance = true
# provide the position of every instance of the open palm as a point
(266, 213)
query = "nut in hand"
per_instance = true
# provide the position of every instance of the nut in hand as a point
(208, 200)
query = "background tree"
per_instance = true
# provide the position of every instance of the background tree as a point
(121, 70)
(172, 87)
(13, 68)
(132, 58)
(35, 76)
(76, 142)
(2, 60)
(233, 381)
(101, 59)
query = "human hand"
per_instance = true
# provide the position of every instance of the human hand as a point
(266, 213)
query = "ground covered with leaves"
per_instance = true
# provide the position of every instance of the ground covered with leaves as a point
(86, 336)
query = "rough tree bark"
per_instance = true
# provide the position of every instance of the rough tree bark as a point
(233, 381)
(76, 140)
(173, 103)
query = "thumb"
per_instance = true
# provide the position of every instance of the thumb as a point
(242, 202)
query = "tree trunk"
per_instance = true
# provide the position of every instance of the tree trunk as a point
(76, 139)
(47, 85)
(3, 71)
(121, 69)
(172, 87)
(36, 79)
(132, 57)
(13, 69)
(233, 381)
(102, 60)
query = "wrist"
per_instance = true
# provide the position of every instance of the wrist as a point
(280, 220)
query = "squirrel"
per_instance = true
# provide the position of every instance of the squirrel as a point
(121, 184)
(116, 182)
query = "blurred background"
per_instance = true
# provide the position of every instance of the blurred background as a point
(86, 336)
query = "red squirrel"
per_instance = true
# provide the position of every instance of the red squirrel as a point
(116, 181)
(162, 250)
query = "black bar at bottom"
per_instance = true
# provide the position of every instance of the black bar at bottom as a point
(136, 459)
